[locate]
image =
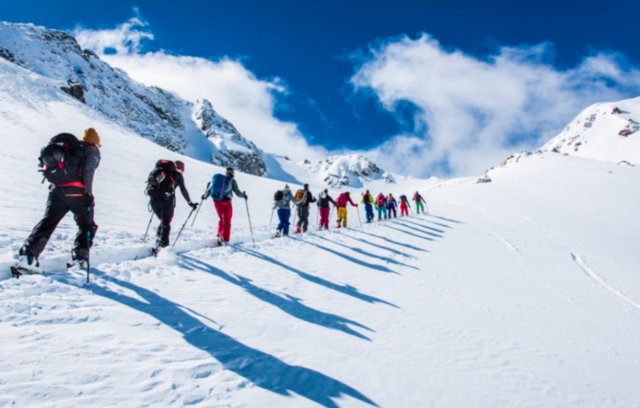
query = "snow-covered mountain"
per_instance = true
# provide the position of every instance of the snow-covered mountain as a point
(604, 131)
(232, 149)
(521, 292)
(353, 170)
(151, 112)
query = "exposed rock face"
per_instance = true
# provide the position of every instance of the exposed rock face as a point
(151, 112)
(232, 149)
(350, 170)
(75, 90)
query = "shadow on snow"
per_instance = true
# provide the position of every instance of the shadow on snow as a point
(262, 369)
(345, 289)
(286, 303)
(356, 261)
(367, 253)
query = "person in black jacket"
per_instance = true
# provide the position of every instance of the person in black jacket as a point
(324, 206)
(75, 196)
(164, 206)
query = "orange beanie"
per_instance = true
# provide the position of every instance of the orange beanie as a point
(91, 136)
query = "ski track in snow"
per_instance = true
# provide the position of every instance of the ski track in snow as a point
(600, 281)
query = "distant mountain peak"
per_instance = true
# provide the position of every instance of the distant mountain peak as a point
(232, 149)
(352, 170)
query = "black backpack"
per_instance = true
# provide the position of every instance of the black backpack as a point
(160, 183)
(278, 195)
(62, 160)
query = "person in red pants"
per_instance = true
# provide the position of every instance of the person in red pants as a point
(404, 205)
(222, 189)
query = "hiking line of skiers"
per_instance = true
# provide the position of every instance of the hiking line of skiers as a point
(385, 205)
(69, 165)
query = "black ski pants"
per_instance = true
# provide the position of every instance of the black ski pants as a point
(163, 208)
(61, 200)
(303, 217)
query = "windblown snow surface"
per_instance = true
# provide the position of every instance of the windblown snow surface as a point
(523, 292)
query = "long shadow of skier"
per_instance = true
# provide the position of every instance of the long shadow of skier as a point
(417, 224)
(413, 234)
(445, 219)
(356, 261)
(345, 289)
(369, 254)
(421, 229)
(287, 304)
(262, 369)
(391, 241)
(385, 248)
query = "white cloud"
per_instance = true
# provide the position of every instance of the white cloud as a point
(234, 91)
(472, 112)
(125, 39)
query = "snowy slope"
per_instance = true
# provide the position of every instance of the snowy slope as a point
(151, 112)
(521, 292)
(605, 131)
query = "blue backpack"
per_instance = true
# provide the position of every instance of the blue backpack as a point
(220, 187)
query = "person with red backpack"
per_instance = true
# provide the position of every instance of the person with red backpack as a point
(69, 165)
(222, 189)
(381, 205)
(161, 189)
(341, 203)
(404, 205)
(368, 201)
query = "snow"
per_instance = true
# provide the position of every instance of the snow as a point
(520, 292)
(604, 131)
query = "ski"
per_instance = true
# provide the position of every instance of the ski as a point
(17, 271)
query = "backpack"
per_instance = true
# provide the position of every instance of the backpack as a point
(381, 200)
(403, 198)
(62, 160)
(279, 195)
(220, 187)
(299, 195)
(160, 183)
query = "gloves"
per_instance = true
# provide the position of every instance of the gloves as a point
(88, 199)
(193, 205)
(246, 197)
(205, 195)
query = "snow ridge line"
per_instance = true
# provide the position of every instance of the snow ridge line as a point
(596, 278)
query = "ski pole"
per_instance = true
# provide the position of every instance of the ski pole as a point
(204, 196)
(246, 203)
(144, 239)
(271, 219)
(183, 225)
(359, 219)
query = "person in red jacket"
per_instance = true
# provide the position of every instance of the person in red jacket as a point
(404, 205)
(341, 203)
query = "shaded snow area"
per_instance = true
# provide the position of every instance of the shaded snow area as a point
(522, 292)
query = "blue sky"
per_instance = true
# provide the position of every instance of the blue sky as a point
(328, 65)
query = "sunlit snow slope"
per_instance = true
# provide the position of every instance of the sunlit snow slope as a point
(521, 292)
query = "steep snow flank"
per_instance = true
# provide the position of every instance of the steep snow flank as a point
(605, 131)
(153, 113)
(231, 148)
(350, 170)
